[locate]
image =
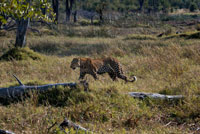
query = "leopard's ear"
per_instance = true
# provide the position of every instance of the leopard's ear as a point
(90, 64)
(89, 60)
(77, 60)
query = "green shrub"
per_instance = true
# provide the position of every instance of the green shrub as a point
(198, 27)
(3, 33)
(187, 35)
(21, 54)
(193, 7)
(85, 22)
(101, 32)
(60, 96)
(140, 37)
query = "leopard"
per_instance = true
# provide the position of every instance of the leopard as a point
(100, 66)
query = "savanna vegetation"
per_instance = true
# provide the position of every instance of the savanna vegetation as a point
(160, 47)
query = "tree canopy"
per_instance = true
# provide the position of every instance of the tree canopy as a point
(18, 9)
(20, 12)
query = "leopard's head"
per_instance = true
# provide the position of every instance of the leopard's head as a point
(75, 63)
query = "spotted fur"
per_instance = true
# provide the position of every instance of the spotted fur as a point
(100, 66)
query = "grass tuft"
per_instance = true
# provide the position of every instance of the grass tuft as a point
(20, 54)
(64, 96)
(140, 37)
(187, 35)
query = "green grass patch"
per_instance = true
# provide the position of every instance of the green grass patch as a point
(140, 37)
(187, 35)
(64, 96)
(21, 54)
(180, 17)
(85, 22)
(46, 31)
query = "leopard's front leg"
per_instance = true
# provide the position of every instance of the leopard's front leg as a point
(94, 74)
(82, 75)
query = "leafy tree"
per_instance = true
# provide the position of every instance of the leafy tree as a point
(165, 5)
(153, 5)
(176, 3)
(21, 12)
(98, 6)
(193, 7)
(128, 5)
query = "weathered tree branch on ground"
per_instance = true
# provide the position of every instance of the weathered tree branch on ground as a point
(6, 132)
(13, 92)
(142, 95)
(69, 124)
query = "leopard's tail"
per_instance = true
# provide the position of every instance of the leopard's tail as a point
(133, 80)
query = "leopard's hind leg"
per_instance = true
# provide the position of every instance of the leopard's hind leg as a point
(107, 69)
(123, 77)
(119, 72)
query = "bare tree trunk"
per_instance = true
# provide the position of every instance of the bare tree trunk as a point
(69, 5)
(141, 2)
(55, 4)
(22, 26)
(68, 11)
(101, 15)
(92, 22)
(0, 24)
(75, 16)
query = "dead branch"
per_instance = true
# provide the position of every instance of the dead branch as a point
(51, 127)
(142, 95)
(69, 124)
(6, 132)
(15, 91)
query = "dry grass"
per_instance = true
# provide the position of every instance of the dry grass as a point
(162, 66)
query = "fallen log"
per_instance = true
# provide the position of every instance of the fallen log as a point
(69, 124)
(6, 132)
(142, 95)
(15, 91)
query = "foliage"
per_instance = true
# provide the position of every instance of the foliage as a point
(140, 37)
(187, 35)
(193, 7)
(123, 6)
(64, 97)
(21, 12)
(84, 22)
(18, 9)
(21, 54)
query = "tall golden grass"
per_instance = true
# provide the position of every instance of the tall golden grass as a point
(169, 66)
